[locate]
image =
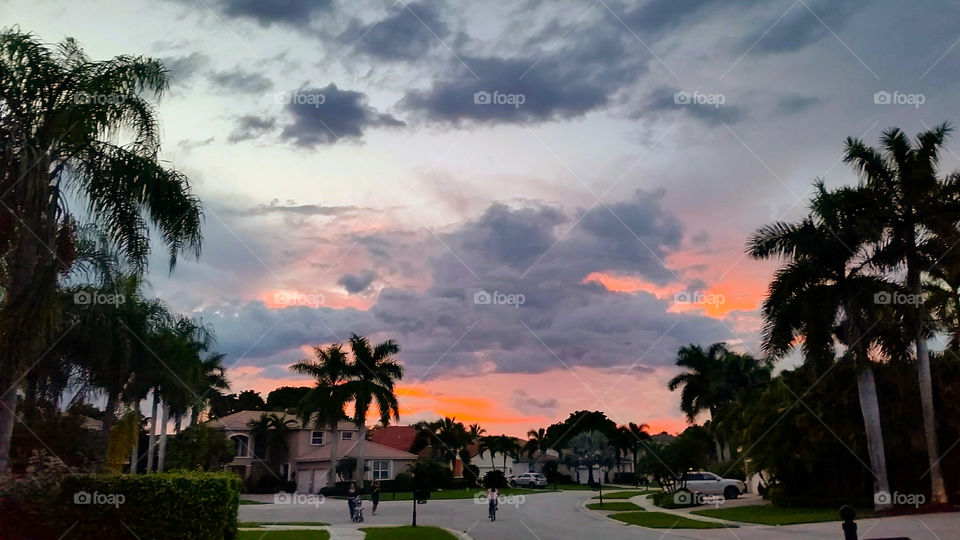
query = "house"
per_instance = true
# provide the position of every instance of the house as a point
(308, 456)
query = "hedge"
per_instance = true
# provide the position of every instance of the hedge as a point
(183, 505)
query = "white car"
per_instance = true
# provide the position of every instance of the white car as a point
(528, 480)
(707, 483)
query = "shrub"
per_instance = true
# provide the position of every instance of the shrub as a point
(494, 479)
(401, 482)
(182, 505)
(25, 503)
(199, 447)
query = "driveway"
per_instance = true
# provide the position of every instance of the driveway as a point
(548, 516)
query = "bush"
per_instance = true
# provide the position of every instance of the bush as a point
(182, 505)
(494, 479)
(199, 447)
(779, 497)
(401, 482)
(625, 478)
(267, 483)
(26, 503)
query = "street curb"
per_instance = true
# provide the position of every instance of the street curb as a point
(596, 514)
(459, 534)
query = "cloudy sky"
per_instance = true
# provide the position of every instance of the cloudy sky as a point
(540, 201)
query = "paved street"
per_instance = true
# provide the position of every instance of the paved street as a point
(558, 515)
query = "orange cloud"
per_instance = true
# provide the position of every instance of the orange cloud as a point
(284, 298)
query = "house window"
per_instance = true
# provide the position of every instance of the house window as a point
(381, 469)
(241, 445)
(316, 438)
(346, 435)
(285, 470)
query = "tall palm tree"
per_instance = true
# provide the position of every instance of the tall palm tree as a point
(638, 437)
(213, 381)
(324, 404)
(70, 124)
(592, 449)
(373, 374)
(912, 209)
(536, 442)
(825, 293)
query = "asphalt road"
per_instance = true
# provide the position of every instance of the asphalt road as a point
(559, 516)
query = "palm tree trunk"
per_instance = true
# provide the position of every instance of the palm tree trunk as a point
(194, 416)
(332, 473)
(162, 447)
(176, 424)
(938, 492)
(360, 450)
(8, 416)
(590, 474)
(108, 413)
(152, 437)
(135, 453)
(870, 407)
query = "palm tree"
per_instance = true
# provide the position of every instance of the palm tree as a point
(373, 374)
(324, 404)
(213, 381)
(536, 442)
(638, 437)
(912, 210)
(592, 449)
(271, 431)
(70, 124)
(452, 438)
(824, 293)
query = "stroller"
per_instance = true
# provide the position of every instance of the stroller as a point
(358, 510)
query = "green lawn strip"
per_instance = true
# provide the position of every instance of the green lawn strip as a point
(773, 515)
(624, 494)
(247, 501)
(620, 506)
(251, 524)
(662, 520)
(303, 534)
(407, 533)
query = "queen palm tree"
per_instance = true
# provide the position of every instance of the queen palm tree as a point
(213, 381)
(536, 442)
(592, 449)
(70, 124)
(912, 210)
(373, 374)
(825, 293)
(271, 431)
(324, 404)
(638, 437)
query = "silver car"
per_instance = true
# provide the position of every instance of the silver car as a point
(527, 480)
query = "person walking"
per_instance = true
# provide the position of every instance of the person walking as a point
(375, 496)
(493, 496)
(352, 499)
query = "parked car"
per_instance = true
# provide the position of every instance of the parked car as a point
(529, 479)
(707, 483)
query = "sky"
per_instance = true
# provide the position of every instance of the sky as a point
(539, 201)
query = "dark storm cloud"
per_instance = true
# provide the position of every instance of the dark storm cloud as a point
(182, 68)
(297, 13)
(568, 82)
(406, 33)
(239, 80)
(800, 26)
(250, 127)
(327, 115)
(357, 282)
(704, 106)
(529, 251)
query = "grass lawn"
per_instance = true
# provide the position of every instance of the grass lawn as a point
(407, 533)
(303, 534)
(773, 515)
(620, 506)
(265, 524)
(661, 520)
(625, 494)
